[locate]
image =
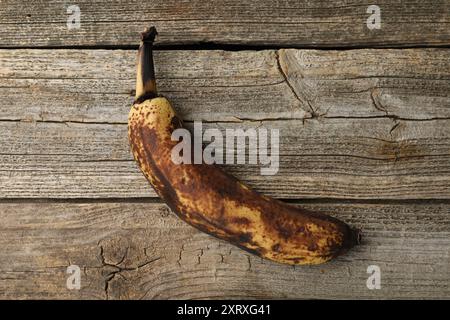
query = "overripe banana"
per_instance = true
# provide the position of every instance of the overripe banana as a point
(215, 202)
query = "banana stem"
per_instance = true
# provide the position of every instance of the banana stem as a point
(145, 79)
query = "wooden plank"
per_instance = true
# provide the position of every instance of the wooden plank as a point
(321, 158)
(379, 129)
(141, 250)
(97, 85)
(362, 83)
(284, 23)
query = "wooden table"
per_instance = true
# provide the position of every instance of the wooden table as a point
(364, 131)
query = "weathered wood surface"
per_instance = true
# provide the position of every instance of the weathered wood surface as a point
(309, 23)
(334, 158)
(354, 124)
(141, 250)
(358, 124)
(98, 85)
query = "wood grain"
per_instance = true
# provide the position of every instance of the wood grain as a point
(143, 251)
(304, 23)
(98, 85)
(331, 158)
(354, 124)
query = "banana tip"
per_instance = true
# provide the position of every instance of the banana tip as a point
(149, 34)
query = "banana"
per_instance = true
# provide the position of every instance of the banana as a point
(215, 202)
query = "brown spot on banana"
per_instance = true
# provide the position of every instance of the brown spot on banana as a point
(217, 203)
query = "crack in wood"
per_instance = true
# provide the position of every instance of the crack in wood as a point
(118, 270)
(284, 74)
